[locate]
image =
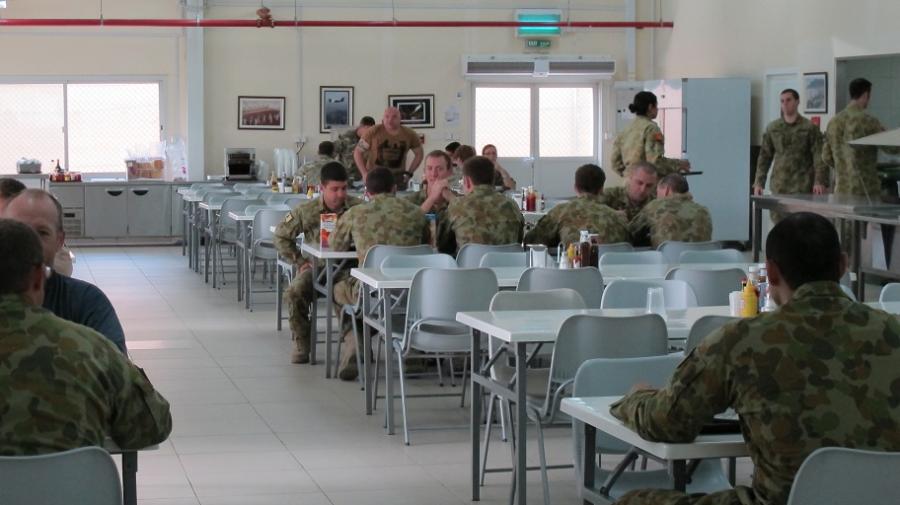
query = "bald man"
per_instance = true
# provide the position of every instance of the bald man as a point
(386, 146)
(71, 299)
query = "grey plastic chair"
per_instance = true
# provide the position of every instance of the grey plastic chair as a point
(632, 258)
(890, 292)
(469, 255)
(503, 259)
(295, 200)
(711, 286)
(631, 294)
(849, 292)
(614, 377)
(418, 261)
(703, 327)
(582, 338)
(843, 475)
(261, 244)
(672, 249)
(586, 281)
(614, 247)
(83, 475)
(228, 231)
(713, 256)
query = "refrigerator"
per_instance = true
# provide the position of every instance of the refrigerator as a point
(706, 121)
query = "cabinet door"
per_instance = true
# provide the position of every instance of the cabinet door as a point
(149, 211)
(105, 211)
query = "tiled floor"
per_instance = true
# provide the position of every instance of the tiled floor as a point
(251, 429)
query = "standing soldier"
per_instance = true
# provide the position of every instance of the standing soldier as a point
(642, 140)
(312, 169)
(346, 143)
(674, 215)
(795, 145)
(387, 146)
(305, 219)
(854, 166)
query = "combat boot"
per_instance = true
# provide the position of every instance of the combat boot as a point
(347, 370)
(300, 353)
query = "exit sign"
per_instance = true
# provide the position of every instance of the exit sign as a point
(537, 43)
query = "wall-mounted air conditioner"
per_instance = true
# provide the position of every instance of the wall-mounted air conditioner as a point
(531, 67)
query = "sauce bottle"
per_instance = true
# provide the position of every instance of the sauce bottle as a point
(749, 301)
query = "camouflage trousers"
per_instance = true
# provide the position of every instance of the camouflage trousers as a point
(737, 496)
(298, 296)
(346, 292)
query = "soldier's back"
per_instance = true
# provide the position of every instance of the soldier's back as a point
(385, 219)
(678, 217)
(854, 165)
(590, 213)
(485, 216)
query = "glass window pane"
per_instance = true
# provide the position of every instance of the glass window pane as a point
(503, 118)
(32, 125)
(566, 122)
(106, 120)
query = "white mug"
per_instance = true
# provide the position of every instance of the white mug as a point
(656, 303)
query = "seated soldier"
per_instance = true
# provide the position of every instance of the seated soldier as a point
(312, 169)
(305, 219)
(385, 220)
(586, 212)
(638, 190)
(63, 262)
(482, 216)
(63, 385)
(435, 194)
(672, 216)
(822, 370)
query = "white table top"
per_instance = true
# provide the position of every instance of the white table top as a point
(317, 252)
(191, 197)
(658, 272)
(889, 307)
(401, 278)
(595, 412)
(516, 326)
(241, 216)
(210, 206)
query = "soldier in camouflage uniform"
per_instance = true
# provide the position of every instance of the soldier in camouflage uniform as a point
(822, 370)
(639, 189)
(435, 195)
(854, 166)
(64, 385)
(795, 145)
(346, 143)
(482, 216)
(311, 169)
(305, 219)
(672, 216)
(642, 140)
(385, 219)
(586, 212)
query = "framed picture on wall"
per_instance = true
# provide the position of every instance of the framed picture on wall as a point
(260, 113)
(815, 92)
(416, 111)
(335, 107)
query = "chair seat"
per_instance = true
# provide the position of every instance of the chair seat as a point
(707, 478)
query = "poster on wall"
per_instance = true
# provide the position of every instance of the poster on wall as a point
(815, 92)
(416, 111)
(335, 107)
(260, 113)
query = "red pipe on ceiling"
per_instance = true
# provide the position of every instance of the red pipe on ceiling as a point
(252, 23)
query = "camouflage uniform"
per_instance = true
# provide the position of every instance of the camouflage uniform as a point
(484, 216)
(617, 199)
(67, 386)
(387, 220)
(439, 209)
(586, 212)
(642, 140)
(796, 149)
(343, 152)
(676, 217)
(312, 170)
(820, 371)
(300, 294)
(854, 166)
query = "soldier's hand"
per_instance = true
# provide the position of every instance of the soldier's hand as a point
(684, 166)
(304, 267)
(757, 190)
(819, 189)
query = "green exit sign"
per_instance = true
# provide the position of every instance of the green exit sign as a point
(537, 43)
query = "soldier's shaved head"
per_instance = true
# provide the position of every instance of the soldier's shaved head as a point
(20, 258)
(805, 248)
(479, 170)
(43, 212)
(380, 181)
(676, 183)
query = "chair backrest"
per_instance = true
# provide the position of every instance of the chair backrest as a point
(235, 205)
(263, 221)
(255, 191)
(469, 255)
(849, 292)
(632, 258)
(586, 281)
(614, 247)
(295, 200)
(842, 475)
(554, 299)
(890, 292)
(379, 252)
(703, 327)
(83, 475)
(219, 198)
(711, 286)
(503, 259)
(629, 294)
(712, 256)
(277, 198)
(418, 261)
(672, 249)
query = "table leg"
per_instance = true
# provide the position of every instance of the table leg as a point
(521, 432)
(239, 269)
(206, 249)
(248, 276)
(475, 421)
(184, 206)
(388, 364)
(679, 474)
(195, 233)
(314, 316)
(329, 306)
(367, 350)
(129, 478)
(279, 272)
(215, 244)
(587, 460)
(857, 260)
(757, 231)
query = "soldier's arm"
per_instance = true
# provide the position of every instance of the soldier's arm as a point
(639, 228)
(766, 154)
(827, 154)
(654, 149)
(285, 237)
(819, 167)
(418, 156)
(342, 238)
(546, 231)
(140, 415)
(618, 163)
(361, 157)
(697, 391)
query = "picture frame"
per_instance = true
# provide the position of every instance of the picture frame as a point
(261, 112)
(335, 108)
(416, 111)
(815, 92)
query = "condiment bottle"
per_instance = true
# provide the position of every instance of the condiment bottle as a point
(749, 301)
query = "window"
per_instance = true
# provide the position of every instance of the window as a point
(503, 118)
(567, 122)
(90, 126)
